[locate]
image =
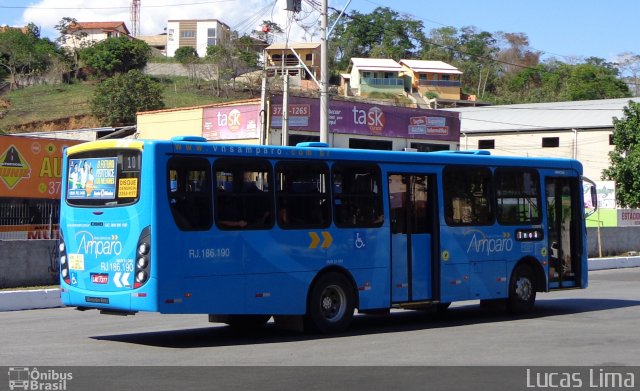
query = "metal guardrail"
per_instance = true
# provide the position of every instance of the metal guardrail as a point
(376, 81)
(28, 218)
(440, 83)
(382, 81)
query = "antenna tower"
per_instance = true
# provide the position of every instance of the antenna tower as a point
(135, 17)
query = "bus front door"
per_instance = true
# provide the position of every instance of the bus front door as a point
(411, 209)
(563, 230)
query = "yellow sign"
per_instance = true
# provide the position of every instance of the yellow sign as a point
(127, 187)
(76, 261)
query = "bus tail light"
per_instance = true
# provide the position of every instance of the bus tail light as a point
(143, 258)
(64, 261)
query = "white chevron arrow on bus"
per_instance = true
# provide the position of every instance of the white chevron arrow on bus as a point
(121, 279)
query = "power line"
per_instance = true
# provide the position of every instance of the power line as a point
(114, 7)
(465, 53)
(448, 25)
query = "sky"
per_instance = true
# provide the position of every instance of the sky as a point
(569, 30)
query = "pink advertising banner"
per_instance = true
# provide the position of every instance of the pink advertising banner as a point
(231, 122)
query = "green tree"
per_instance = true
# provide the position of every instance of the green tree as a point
(629, 65)
(442, 45)
(116, 100)
(557, 81)
(221, 59)
(595, 79)
(71, 41)
(247, 50)
(625, 157)
(475, 60)
(186, 55)
(383, 33)
(116, 55)
(25, 54)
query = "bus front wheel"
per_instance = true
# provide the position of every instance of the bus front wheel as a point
(331, 304)
(522, 290)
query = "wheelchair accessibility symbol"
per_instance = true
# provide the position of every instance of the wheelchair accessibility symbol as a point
(359, 240)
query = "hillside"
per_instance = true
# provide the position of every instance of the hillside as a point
(67, 106)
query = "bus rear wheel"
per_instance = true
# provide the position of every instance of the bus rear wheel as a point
(331, 304)
(522, 290)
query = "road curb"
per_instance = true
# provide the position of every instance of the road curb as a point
(613, 263)
(29, 299)
(50, 298)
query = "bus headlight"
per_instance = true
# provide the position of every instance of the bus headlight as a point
(64, 273)
(63, 260)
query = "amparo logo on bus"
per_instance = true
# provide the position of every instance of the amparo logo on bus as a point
(480, 243)
(89, 245)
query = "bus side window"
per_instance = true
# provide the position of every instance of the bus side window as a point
(517, 196)
(467, 196)
(189, 190)
(357, 195)
(243, 196)
(302, 195)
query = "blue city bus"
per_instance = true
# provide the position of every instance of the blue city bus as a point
(310, 234)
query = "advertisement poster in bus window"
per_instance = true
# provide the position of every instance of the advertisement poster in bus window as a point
(93, 178)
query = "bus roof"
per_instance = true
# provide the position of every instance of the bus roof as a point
(481, 157)
(196, 146)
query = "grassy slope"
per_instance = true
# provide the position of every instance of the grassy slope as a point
(52, 102)
(46, 102)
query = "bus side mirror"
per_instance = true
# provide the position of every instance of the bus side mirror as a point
(591, 203)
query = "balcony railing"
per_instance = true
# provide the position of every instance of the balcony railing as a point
(440, 83)
(382, 82)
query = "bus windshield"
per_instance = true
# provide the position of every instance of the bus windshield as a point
(104, 178)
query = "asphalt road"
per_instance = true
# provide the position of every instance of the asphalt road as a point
(593, 327)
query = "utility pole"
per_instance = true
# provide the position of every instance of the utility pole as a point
(324, 76)
(264, 117)
(294, 5)
(135, 17)
(285, 109)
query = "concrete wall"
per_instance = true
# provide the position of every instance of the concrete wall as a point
(613, 241)
(202, 71)
(164, 124)
(28, 263)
